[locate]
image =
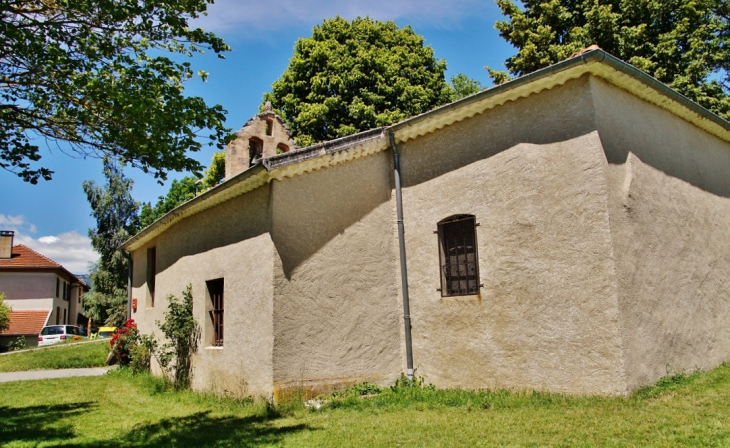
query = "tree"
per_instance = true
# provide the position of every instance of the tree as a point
(92, 77)
(682, 43)
(351, 76)
(183, 190)
(4, 313)
(180, 191)
(462, 86)
(116, 217)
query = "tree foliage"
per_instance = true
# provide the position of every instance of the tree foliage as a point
(351, 76)
(180, 191)
(4, 313)
(463, 86)
(183, 190)
(682, 43)
(116, 217)
(93, 77)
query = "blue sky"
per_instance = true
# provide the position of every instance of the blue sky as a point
(54, 217)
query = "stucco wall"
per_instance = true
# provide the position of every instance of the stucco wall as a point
(336, 312)
(670, 216)
(28, 285)
(230, 241)
(547, 314)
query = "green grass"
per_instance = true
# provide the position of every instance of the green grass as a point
(60, 356)
(122, 410)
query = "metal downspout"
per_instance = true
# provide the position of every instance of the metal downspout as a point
(128, 256)
(403, 269)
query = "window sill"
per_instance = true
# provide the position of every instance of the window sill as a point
(213, 347)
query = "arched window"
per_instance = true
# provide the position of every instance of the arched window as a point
(281, 148)
(255, 149)
(458, 256)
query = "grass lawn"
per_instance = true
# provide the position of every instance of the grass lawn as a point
(124, 411)
(62, 356)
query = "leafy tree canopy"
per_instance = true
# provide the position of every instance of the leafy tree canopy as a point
(116, 217)
(682, 43)
(92, 76)
(351, 76)
(462, 86)
(183, 190)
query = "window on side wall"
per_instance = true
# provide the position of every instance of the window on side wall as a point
(458, 256)
(151, 273)
(215, 292)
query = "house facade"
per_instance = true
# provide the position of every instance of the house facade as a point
(39, 290)
(565, 231)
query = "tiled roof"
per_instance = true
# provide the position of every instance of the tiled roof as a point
(26, 322)
(25, 257)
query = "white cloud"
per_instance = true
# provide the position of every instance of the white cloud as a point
(11, 222)
(249, 16)
(71, 249)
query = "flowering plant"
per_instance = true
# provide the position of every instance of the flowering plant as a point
(124, 340)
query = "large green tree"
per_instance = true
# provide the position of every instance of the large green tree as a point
(115, 212)
(351, 76)
(94, 77)
(682, 43)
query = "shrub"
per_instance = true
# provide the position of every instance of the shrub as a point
(182, 333)
(17, 344)
(123, 341)
(4, 313)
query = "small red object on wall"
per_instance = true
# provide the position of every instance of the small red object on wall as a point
(134, 304)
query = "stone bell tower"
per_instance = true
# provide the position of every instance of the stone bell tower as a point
(264, 135)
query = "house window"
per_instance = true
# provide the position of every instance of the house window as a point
(215, 292)
(281, 148)
(64, 317)
(458, 256)
(269, 126)
(58, 315)
(151, 273)
(58, 286)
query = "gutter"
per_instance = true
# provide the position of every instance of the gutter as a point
(587, 58)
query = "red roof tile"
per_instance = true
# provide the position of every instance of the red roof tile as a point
(25, 257)
(26, 322)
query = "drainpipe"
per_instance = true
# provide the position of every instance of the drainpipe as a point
(403, 269)
(128, 256)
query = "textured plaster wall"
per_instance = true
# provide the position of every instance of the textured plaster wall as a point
(547, 315)
(230, 241)
(337, 317)
(670, 216)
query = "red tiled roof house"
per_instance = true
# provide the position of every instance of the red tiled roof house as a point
(39, 290)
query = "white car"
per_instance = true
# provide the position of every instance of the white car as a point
(59, 333)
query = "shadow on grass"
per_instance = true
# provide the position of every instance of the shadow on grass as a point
(35, 425)
(38, 423)
(202, 430)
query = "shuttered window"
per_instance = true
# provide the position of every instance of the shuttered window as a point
(458, 256)
(215, 291)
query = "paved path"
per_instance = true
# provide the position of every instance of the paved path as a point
(50, 374)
